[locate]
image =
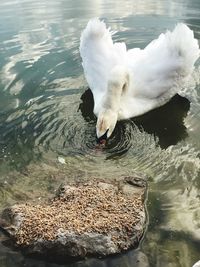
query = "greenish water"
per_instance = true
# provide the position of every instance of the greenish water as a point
(46, 116)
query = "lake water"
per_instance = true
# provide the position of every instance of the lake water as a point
(47, 128)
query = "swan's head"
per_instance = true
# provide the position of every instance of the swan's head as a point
(106, 122)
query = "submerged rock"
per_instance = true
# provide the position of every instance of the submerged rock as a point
(93, 218)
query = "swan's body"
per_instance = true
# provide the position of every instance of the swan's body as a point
(127, 83)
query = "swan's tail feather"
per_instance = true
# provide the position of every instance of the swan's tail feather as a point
(166, 63)
(173, 52)
(99, 54)
(94, 32)
(183, 45)
(96, 49)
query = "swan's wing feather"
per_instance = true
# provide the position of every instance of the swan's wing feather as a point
(164, 62)
(99, 54)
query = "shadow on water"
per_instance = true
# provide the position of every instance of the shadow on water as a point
(166, 122)
(87, 105)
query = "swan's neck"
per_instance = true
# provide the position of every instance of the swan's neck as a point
(117, 85)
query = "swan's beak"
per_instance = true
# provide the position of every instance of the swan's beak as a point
(102, 139)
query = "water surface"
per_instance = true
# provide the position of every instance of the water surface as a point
(46, 117)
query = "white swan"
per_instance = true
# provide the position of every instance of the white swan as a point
(127, 83)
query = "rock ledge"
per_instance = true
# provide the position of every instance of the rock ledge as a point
(94, 218)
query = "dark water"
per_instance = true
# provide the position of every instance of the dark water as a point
(47, 129)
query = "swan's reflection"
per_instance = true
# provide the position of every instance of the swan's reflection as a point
(166, 123)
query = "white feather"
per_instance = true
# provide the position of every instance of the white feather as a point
(155, 73)
(99, 56)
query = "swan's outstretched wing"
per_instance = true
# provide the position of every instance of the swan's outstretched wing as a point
(99, 56)
(164, 63)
